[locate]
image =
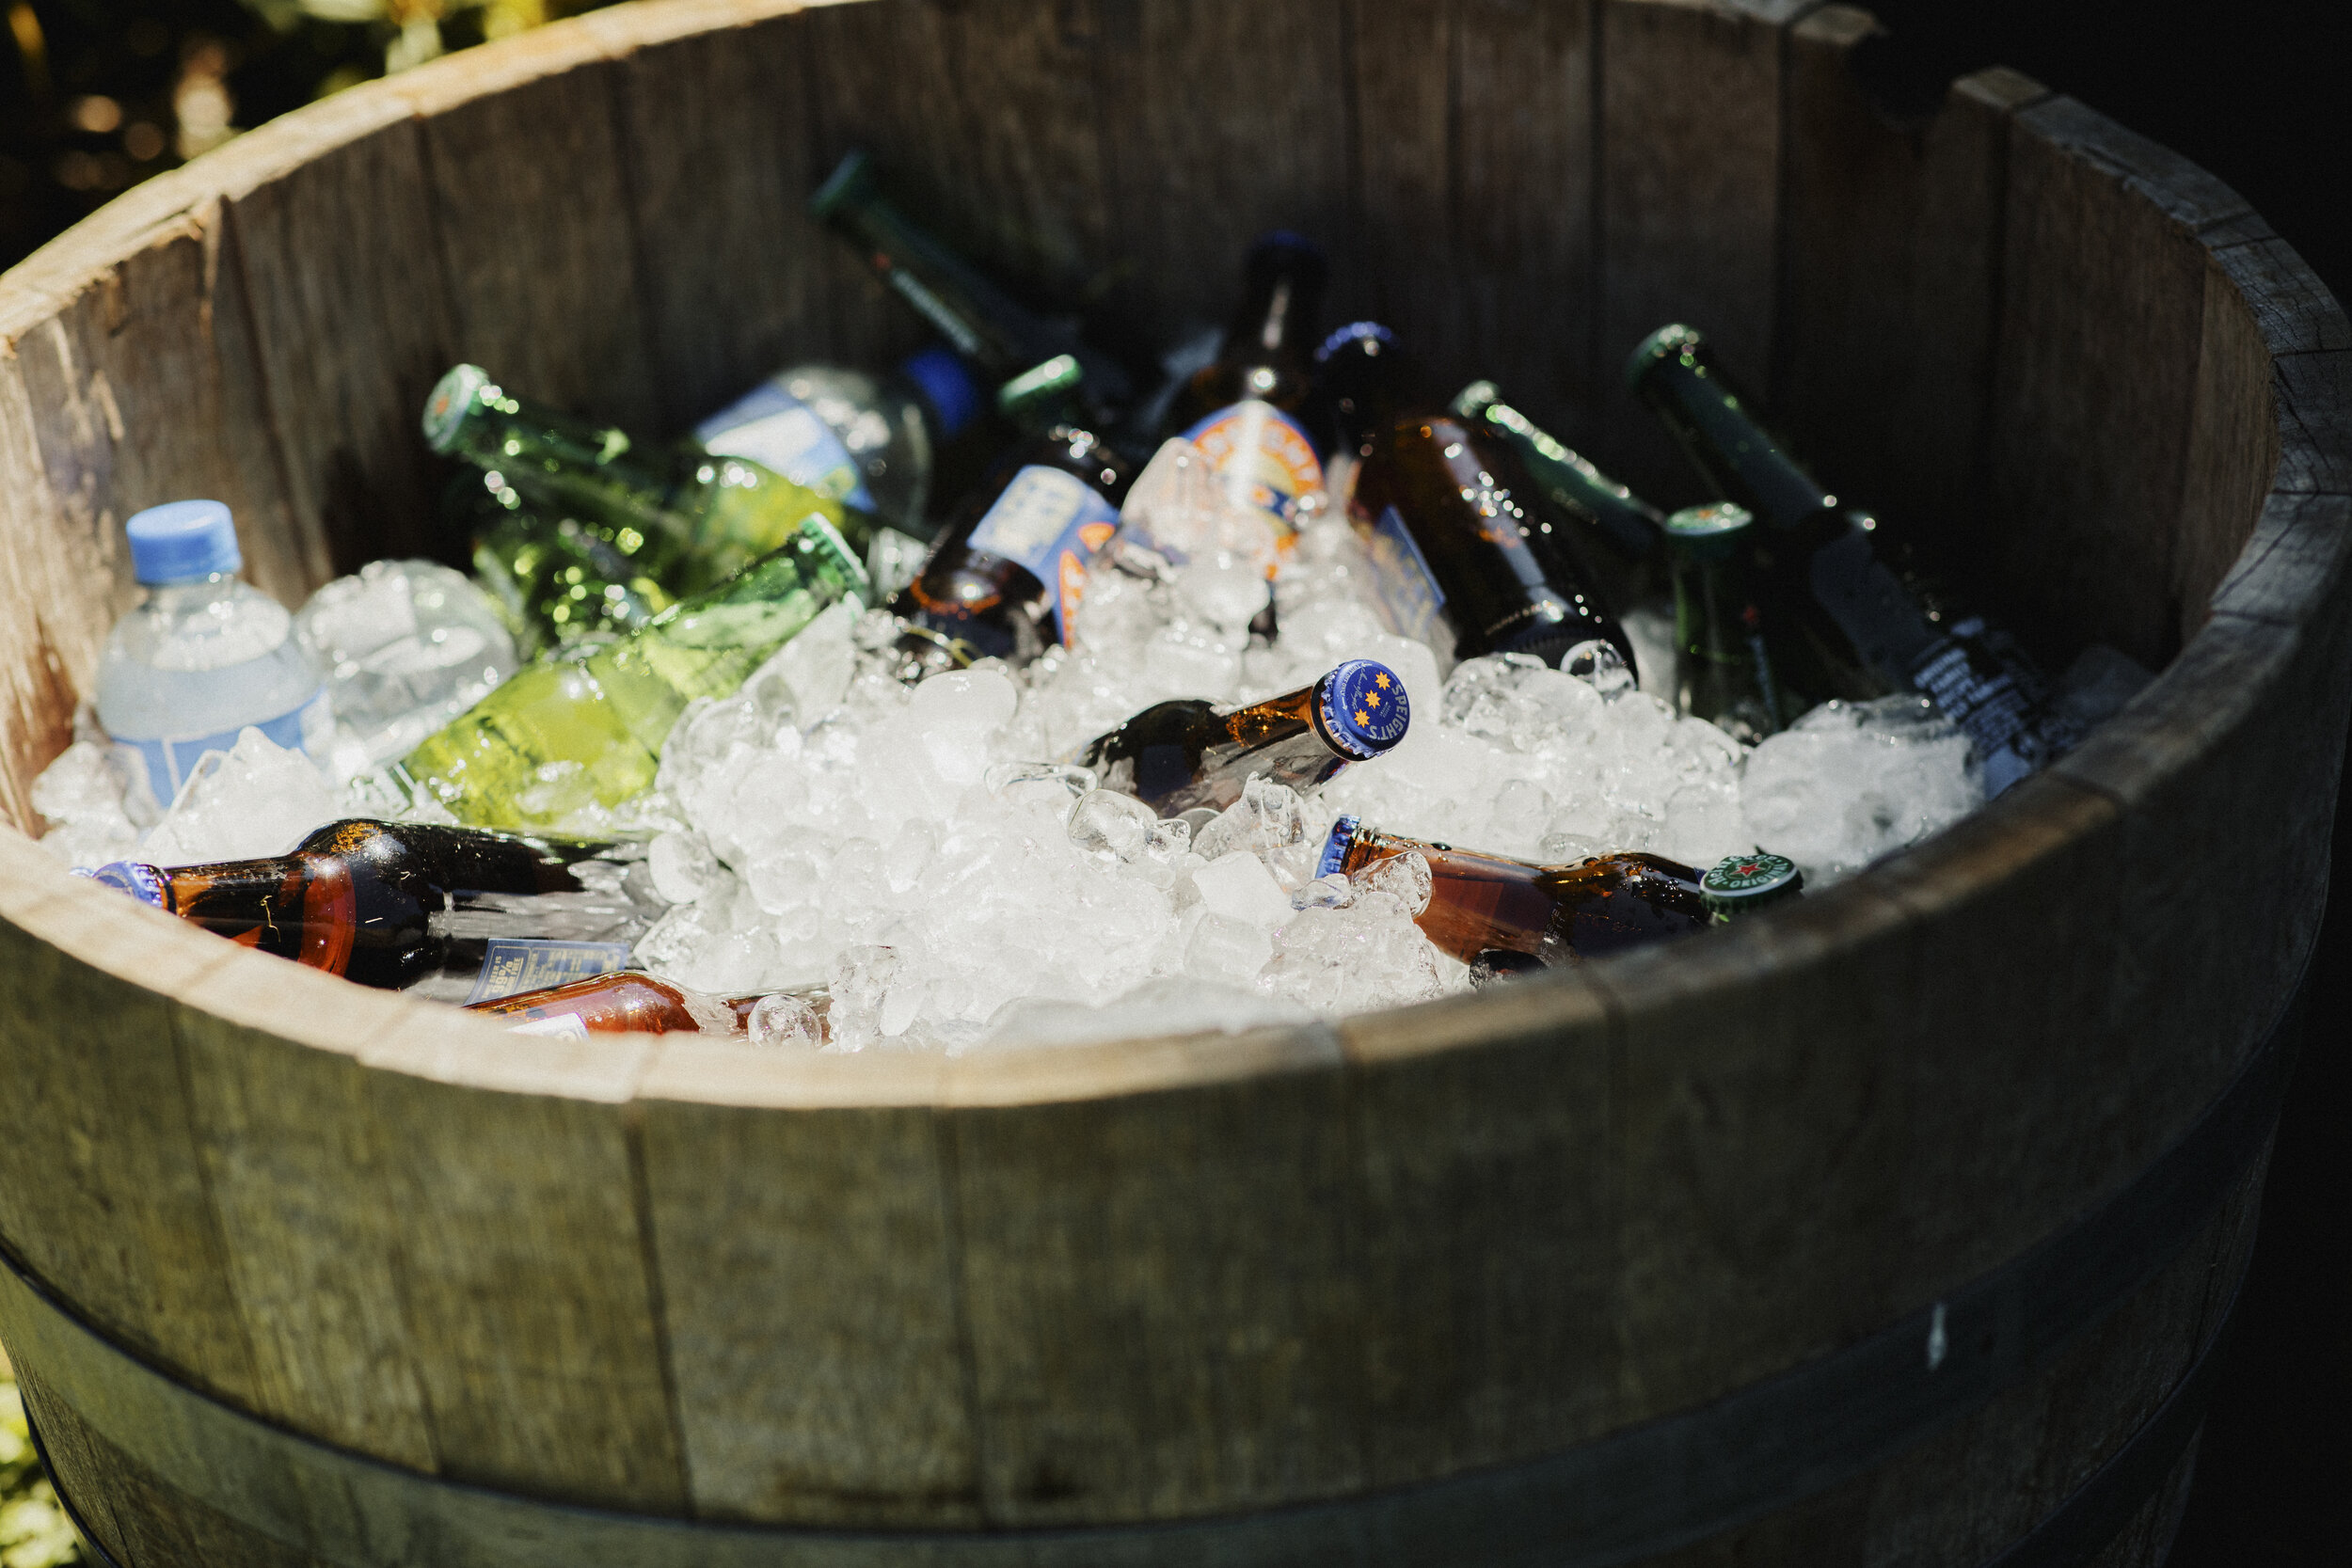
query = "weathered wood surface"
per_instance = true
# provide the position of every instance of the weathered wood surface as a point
(1206, 1276)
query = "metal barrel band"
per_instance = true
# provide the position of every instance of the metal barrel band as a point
(1619, 1498)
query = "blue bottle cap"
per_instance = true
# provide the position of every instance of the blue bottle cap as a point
(946, 386)
(1372, 332)
(1335, 847)
(140, 880)
(1363, 708)
(182, 540)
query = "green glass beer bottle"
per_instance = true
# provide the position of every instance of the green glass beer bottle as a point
(1469, 557)
(983, 323)
(1723, 669)
(566, 736)
(554, 578)
(1851, 594)
(690, 519)
(448, 913)
(1742, 884)
(1624, 525)
(1484, 909)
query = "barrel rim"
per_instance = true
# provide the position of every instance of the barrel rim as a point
(383, 1031)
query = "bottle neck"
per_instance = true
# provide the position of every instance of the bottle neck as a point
(1709, 415)
(191, 593)
(1629, 524)
(983, 323)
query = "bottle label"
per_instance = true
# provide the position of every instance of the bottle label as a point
(1051, 523)
(308, 728)
(513, 965)
(1979, 679)
(566, 1026)
(1264, 458)
(779, 432)
(1410, 597)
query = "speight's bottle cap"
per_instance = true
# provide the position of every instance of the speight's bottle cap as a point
(1334, 854)
(1742, 884)
(1709, 532)
(1363, 708)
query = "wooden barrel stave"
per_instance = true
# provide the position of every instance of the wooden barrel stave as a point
(1935, 927)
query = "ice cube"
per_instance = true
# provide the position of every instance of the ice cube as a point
(1851, 782)
(1227, 948)
(786, 1021)
(1051, 787)
(1599, 665)
(1110, 826)
(816, 664)
(81, 796)
(1238, 886)
(1405, 878)
(682, 866)
(406, 646)
(257, 799)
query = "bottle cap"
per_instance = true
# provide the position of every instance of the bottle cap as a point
(1335, 847)
(1039, 389)
(1282, 251)
(1370, 334)
(846, 184)
(1472, 401)
(1743, 883)
(141, 881)
(183, 540)
(452, 403)
(1363, 708)
(1709, 532)
(1671, 341)
(946, 386)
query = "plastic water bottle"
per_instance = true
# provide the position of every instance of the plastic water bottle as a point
(204, 657)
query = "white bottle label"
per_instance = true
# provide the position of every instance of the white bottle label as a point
(566, 1026)
(308, 729)
(779, 432)
(1051, 523)
(513, 965)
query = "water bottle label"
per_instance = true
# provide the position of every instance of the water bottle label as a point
(779, 432)
(513, 965)
(1050, 522)
(1410, 597)
(167, 763)
(566, 1026)
(1262, 456)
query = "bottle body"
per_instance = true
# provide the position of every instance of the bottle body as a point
(1465, 560)
(1006, 577)
(446, 912)
(1622, 528)
(688, 517)
(1862, 619)
(556, 579)
(566, 736)
(1241, 409)
(1482, 905)
(1177, 757)
(1724, 666)
(203, 657)
(625, 1001)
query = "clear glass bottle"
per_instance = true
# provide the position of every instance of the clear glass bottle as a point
(203, 657)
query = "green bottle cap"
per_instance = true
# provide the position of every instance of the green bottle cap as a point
(1744, 883)
(846, 186)
(1473, 400)
(452, 403)
(1709, 532)
(1671, 341)
(1035, 392)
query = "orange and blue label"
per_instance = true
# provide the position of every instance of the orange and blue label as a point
(1050, 522)
(1262, 456)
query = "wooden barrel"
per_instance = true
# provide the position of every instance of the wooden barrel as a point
(1895, 1227)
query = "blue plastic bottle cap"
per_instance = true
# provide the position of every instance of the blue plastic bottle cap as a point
(1363, 708)
(946, 386)
(1335, 847)
(183, 540)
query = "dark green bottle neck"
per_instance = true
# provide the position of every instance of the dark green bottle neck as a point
(1570, 480)
(1716, 426)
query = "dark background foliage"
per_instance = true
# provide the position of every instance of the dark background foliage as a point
(102, 93)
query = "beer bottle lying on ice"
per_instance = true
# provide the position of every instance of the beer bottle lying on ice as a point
(1502, 912)
(445, 912)
(1179, 755)
(1469, 555)
(633, 1002)
(1865, 618)
(573, 734)
(688, 517)
(1242, 409)
(1005, 579)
